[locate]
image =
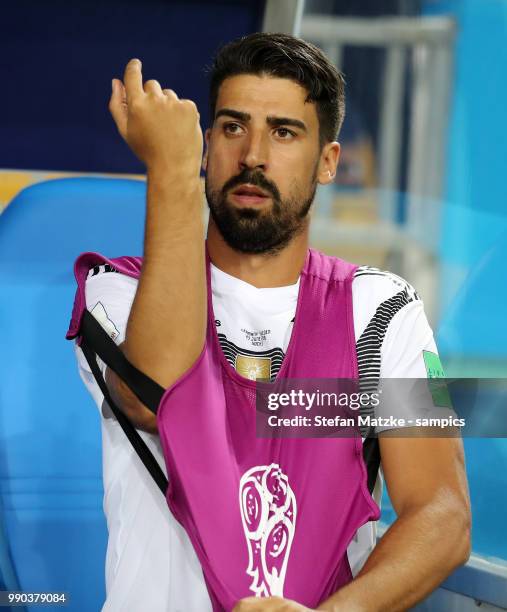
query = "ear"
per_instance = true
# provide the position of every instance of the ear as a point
(207, 135)
(328, 162)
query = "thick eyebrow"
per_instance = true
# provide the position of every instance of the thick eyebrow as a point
(229, 112)
(271, 121)
(278, 121)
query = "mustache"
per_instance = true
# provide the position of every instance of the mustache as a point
(254, 178)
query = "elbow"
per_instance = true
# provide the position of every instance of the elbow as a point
(136, 412)
(449, 519)
(465, 538)
(459, 516)
(142, 418)
(464, 521)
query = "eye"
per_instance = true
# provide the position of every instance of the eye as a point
(285, 133)
(232, 128)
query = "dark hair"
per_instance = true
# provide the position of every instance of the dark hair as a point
(288, 57)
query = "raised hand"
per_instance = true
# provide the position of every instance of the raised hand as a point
(162, 130)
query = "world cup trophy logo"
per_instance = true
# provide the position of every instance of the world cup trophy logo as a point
(268, 512)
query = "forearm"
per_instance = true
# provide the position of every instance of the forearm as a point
(416, 554)
(167, 324)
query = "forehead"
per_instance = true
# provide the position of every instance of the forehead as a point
(267, 96)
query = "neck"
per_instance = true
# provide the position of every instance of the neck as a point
(260, 270)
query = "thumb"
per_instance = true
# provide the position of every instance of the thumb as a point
(118, 106)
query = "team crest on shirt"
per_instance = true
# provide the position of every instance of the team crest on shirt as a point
(253, 367)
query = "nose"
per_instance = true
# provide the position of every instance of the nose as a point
(255, 153)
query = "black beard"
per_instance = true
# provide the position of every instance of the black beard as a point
(253, 231)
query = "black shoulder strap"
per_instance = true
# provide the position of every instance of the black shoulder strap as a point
(144, 388)
(95, 341)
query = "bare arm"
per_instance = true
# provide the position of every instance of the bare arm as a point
(431, 537)
(167, 324)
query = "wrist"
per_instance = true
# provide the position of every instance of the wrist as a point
(341, 601)
(174, 174)
(170, 189)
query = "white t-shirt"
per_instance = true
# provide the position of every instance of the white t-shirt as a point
(150, 562)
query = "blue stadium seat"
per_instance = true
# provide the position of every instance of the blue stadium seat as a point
(50, 440)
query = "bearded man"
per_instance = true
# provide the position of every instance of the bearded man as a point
(204, 320)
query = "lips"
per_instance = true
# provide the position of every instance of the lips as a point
(249, 195)
(250, 190)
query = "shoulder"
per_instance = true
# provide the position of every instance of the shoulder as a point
(94, 269)
(106, 279)
(379, 297)
(392, 331)
(109, 296)
(381, 285)
(99, 277)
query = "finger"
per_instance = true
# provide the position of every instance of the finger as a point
(133, 79)
(153, 87)
(192, 104)
(118, 106)
(123, 92)
(170, 93)
(119, 93)
(245, 604)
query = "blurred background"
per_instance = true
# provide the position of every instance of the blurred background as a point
(420, 191)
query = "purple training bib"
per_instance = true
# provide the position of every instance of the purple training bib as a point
(266, 516)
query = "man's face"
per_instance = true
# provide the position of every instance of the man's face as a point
(263, 162)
